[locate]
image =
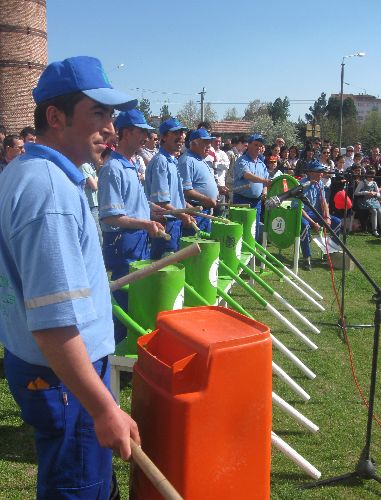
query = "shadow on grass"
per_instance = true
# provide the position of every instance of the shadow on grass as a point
(10, 439)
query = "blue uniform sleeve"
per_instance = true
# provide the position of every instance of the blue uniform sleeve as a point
(55, 284)
(240, 168)
(185, 170)
(110, 198)
(158, 188)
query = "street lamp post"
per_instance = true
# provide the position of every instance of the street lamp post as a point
(358, 54)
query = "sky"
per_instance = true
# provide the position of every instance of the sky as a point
(239, 50)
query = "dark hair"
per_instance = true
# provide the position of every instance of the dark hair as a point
(357, 155)
(338, 158)
(243, 139)
(10, 139)
(150, 133)
(120, 130)
(370, 173)
(65, 103)
(283, 149)
(296, 149)
(26, 131)
(207, 125)
(3, 130)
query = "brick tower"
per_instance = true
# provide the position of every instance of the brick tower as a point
(23, 55)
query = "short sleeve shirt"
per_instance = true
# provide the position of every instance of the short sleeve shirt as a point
(196, 174)
(51, 266)
(163, 182)
(120, 191)
(256, 167)
(92, 196)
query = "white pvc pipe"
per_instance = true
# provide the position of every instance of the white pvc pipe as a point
(302, 282)
(304, 293)
(299, 315)
(290, 326)
(301, 462)
(296, 254)
(277, 370)
(306, 422)
(292, 357)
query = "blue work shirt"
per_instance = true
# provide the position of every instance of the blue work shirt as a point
(120, 191)
(163, 183)
(315, 193)
(244, 164)
(51, 266)
(196, 174)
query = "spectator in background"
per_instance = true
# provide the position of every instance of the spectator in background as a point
(293, 156)
(91, 192)
(150, 148)
(13, 146)
(283, 163)
(368, 199)
(348, 157)
(335, 152)
(239, 146)
(308, 155)
(357, 146)
(279, 141)
(3, 133)
(28, 134)
(316, 146)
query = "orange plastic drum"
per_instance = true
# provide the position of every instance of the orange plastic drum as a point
(202, 400)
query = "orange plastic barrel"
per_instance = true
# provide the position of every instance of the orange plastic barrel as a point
(202, 399)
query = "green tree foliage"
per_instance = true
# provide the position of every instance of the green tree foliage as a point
(164, 113)
(279, 110)
(231, 114)
(370, 133)
(271, 130)
(255, 109)
(190, 114)
(145, 107)
(333, 108)
(318, 110)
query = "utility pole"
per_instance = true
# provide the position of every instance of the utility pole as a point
(202, 94)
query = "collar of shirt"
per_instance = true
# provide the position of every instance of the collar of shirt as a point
(62, 162)
(167, 155)
(123, 160)
(250, 158)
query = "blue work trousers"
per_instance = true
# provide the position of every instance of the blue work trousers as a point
(119, 250)
(71, 463)
(305, 234)
(160, 246)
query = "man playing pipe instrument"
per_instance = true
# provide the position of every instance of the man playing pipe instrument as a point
(55, 321)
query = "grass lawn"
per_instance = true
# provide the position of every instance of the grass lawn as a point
(335, 405)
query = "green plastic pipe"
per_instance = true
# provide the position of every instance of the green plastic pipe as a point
(243, 283)
(126, 319)
(234, 304)
(196, 295)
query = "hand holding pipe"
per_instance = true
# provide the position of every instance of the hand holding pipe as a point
(163, 234)
(186, 252)
(158, 480)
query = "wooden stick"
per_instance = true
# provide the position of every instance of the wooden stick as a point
(155, 266)
(240, 188)
(158, 480)
(212, 217)
(195, 227)
(163, 234)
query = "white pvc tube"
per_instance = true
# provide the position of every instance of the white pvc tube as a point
(302, 282)
(302, 318)
(304, 293)
(292, 357)
(306, 422)
(290, 326)
(301, 462)
(277, 370)
(296, 254)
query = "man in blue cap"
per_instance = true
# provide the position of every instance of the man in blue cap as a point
(251, 177)
(55, 322)
(199, 185)
(123, 207)
(314, 192)
(164, 187)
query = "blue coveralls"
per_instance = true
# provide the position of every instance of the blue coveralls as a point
(52, 275)
(163, 185)
(252, 194)
(196, 174)
(315, 193)
(120, 192)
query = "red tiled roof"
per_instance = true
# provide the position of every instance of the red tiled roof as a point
(232, 127)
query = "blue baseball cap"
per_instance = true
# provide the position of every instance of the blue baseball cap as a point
(171, 125)
(314, 166)
(200, 133)
(80, 74)
(134, 118)
(256, 137)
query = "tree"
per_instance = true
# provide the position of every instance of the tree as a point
(255, 109)
(333, 108)
(279, 110)
(370, 133)
(145, 107)
(164, 113)
(189, 114)
(231, 114)
(318, 110)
